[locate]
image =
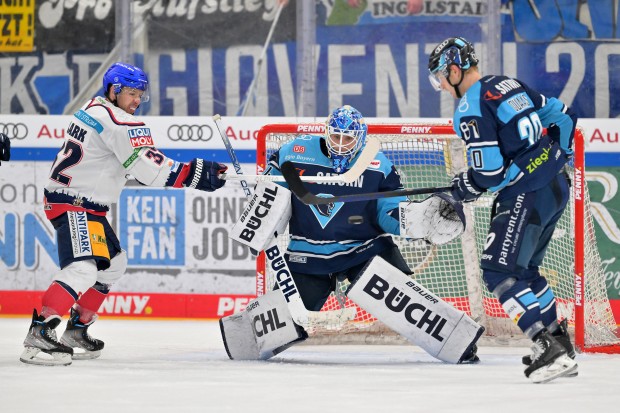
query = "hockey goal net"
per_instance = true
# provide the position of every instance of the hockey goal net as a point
(428, 155)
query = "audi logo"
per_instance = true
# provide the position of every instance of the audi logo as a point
(190, 133)
(14, 130)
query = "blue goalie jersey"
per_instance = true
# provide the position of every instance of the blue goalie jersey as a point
(322, 240)
(501, 121)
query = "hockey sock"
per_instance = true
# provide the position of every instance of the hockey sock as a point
(58, 299)
(546, 299)
(91, 300)
(522, 306)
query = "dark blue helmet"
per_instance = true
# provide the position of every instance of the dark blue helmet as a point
(122, 75)
(453, 51)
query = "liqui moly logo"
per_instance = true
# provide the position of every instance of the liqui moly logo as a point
(141, 141)
(138, 132)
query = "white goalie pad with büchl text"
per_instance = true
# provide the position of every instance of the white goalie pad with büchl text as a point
(266, 214)
(264, 329)
(414, 312)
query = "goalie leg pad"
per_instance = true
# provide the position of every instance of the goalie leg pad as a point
(414, 312)
(263, 330)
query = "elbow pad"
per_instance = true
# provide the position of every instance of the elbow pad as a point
(151, 167)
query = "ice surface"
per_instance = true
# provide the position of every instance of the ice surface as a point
(181, 366)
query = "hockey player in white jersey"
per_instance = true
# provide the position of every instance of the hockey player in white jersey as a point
(105, 145)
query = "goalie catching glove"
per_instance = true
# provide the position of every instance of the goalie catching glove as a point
(438, 219)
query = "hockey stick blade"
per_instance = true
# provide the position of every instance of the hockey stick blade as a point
(296, 186)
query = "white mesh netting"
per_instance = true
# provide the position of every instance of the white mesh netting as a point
(452, 270)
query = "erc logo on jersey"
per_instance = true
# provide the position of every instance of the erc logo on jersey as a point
(140, 137)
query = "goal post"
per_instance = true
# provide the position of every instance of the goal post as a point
(428, 155)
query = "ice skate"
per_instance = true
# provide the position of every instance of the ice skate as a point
(41, 338)
(549, 360)
(562, 336)
(76, 336)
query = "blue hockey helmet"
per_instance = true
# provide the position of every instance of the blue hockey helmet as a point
(453, 51)
(345, 133)
(121, 75)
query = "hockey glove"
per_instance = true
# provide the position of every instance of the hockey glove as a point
(438, 219)
(203, 175)
(464, 189)
(5, 148)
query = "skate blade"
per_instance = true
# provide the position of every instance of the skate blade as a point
(561, 367)
(32, 355)
(85, 355)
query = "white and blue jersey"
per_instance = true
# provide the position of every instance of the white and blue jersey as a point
(322, 240)
(501, 121)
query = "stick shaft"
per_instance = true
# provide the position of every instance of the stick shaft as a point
(304, 195)
(232, 155)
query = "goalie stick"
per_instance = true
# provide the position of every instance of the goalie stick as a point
(304, 195)
(365, 158)
(299, 312)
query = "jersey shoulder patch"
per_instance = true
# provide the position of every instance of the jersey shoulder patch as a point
(139, 137)
(303, 149)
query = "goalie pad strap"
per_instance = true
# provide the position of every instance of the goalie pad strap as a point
(263, 330)
(267, 213)
(414, 312)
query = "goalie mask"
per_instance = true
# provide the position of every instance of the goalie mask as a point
(453, 51)
(345, 134)
(123, 75)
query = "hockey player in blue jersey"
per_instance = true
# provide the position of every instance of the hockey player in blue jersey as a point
(501, 121)
(325, 248)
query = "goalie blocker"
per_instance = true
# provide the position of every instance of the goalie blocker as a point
(266, 215)
(263, 330)
(414, 312)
